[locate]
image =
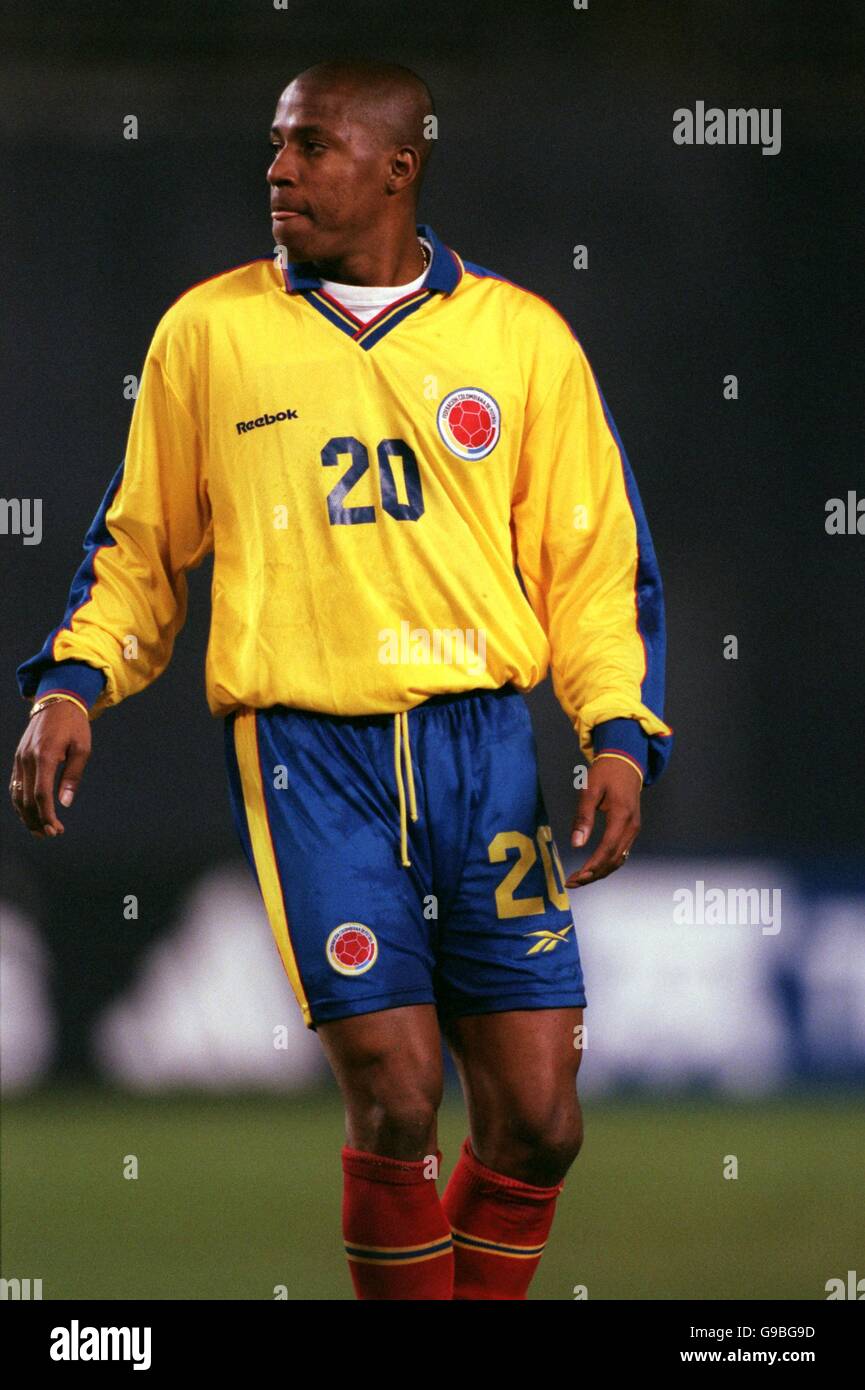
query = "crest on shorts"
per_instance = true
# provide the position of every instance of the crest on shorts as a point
(352, 948)
(469, 421)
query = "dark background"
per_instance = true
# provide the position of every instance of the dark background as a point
(555, 128)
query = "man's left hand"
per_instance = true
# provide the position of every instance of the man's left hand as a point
(614, 788)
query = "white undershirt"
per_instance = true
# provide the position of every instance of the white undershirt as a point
(365, 301)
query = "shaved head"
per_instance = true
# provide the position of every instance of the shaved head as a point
(351, 141)
(392, 101)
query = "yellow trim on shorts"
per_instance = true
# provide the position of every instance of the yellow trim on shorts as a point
(248, 762)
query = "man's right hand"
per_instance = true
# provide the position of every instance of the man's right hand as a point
(60, 733)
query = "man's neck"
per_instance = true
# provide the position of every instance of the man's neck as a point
(395, 260)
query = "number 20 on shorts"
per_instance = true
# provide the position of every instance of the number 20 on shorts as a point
(506, 904)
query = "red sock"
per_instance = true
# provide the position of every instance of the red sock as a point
(397, 1237)
(500, 1226)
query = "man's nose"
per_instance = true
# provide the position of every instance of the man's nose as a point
(282, 170)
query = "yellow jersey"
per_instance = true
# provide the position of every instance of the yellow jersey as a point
(433, 501)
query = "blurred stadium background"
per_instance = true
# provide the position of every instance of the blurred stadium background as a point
(153, 1035)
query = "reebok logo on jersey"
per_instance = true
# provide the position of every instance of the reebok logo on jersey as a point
(243, 425)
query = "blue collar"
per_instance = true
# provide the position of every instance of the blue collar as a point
(444, 273)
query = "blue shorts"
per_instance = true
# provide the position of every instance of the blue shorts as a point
(406, 859)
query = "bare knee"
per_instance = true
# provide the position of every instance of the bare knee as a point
(389, 1069)
(392, 1105)
(396, 1125)
(537, 1142)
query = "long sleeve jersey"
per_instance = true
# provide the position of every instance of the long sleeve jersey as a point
(433, 501)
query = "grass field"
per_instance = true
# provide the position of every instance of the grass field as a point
(236, 1196)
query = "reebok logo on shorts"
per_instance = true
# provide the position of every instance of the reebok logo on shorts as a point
(546, 940)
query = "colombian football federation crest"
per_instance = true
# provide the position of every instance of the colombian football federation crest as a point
(469, 422)
(352, 948)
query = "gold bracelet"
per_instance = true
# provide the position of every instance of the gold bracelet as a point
(53, 698)
(622, 759)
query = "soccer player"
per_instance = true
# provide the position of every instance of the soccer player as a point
(417, 503)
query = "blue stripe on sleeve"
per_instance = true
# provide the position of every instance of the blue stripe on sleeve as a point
(650, 611)
(30, 672)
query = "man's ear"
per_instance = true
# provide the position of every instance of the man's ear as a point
(404, 168)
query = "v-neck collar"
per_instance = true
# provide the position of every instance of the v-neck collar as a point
(444, 274)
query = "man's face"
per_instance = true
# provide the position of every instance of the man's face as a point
(327, 179)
